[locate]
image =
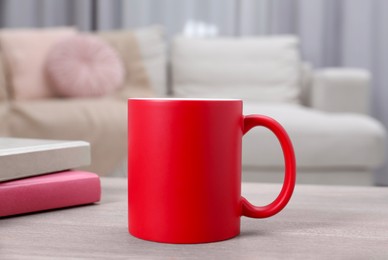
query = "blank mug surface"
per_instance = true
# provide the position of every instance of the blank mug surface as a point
(184, 169)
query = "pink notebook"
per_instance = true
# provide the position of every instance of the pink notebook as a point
(56, 190)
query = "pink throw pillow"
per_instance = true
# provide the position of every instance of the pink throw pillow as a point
(84, 66)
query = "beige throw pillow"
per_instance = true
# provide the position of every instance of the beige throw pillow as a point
(139, 82)
(25, 52)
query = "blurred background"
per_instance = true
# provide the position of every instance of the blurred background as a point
(332, 33)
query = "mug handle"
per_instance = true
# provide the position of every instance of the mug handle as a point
(281, 201)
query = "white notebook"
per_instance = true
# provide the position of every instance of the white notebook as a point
(21, 157)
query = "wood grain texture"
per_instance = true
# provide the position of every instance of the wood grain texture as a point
(321, 222)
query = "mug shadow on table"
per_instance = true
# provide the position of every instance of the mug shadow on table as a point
(254, 233)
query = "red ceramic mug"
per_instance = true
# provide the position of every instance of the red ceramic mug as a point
(184, 169)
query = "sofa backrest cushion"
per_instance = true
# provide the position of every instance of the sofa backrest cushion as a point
(255, 68)
(25, 52)
(3, 81)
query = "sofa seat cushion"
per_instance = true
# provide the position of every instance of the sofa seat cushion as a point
(102, 122)
(320, 139)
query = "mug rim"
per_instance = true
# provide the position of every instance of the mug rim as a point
(185, 99)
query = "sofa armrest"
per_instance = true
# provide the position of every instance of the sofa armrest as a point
(341, 90)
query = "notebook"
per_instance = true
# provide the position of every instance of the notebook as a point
(50, 191)
(21, 157)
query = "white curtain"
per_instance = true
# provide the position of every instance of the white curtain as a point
(340, 33)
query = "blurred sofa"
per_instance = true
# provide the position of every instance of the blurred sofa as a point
(102, 121)
(324, 111)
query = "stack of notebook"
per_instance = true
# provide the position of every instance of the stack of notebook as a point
(37, 175)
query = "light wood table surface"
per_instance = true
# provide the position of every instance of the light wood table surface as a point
(321, 222)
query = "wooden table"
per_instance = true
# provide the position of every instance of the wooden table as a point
(321, 222)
